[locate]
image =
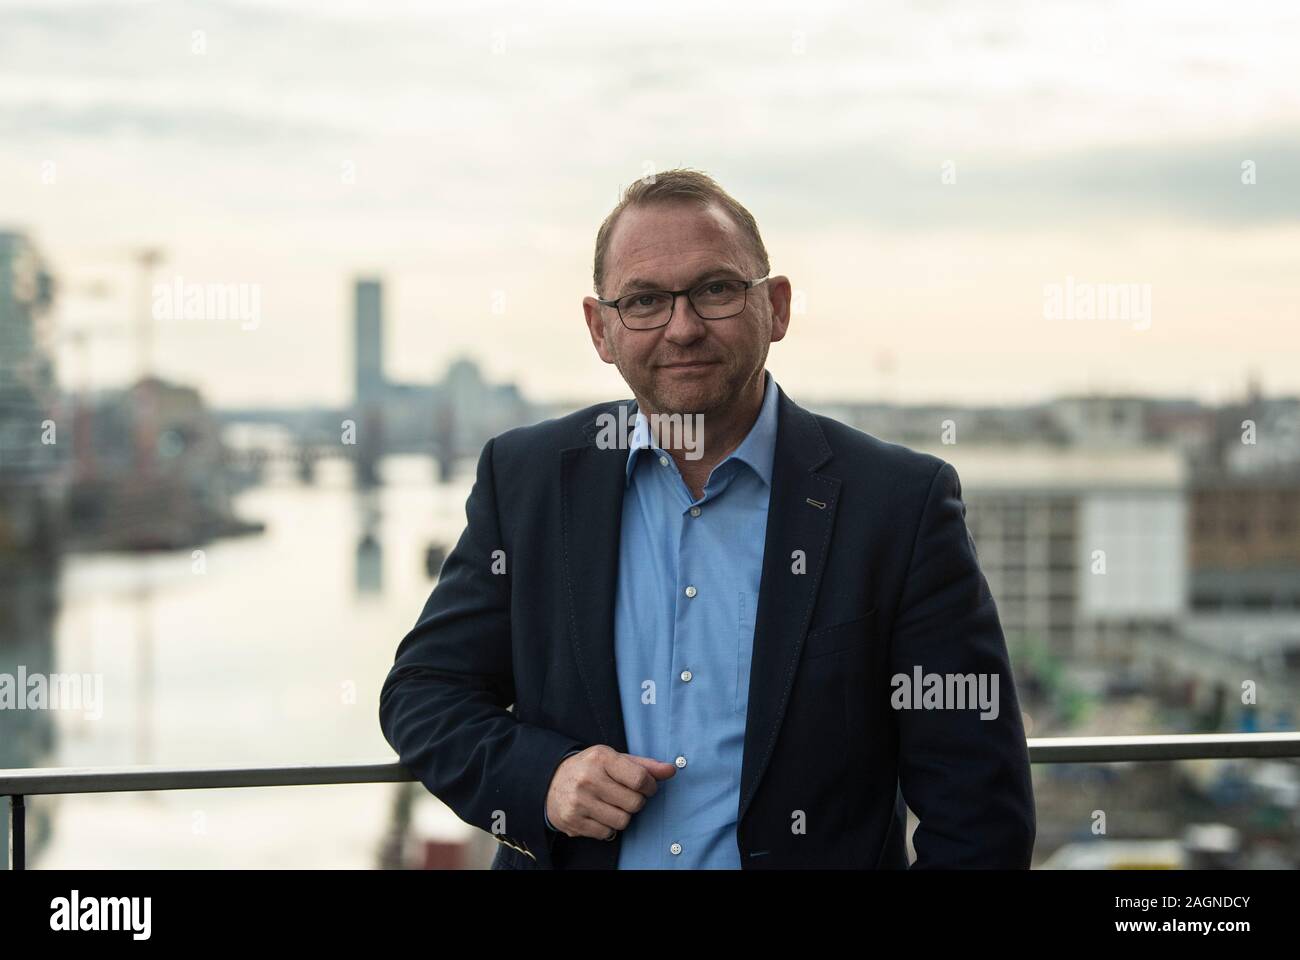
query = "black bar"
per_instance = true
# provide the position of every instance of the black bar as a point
(951, 910)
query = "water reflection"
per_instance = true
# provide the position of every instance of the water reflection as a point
(370, 555)
(261, 649)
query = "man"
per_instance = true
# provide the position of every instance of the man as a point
(692, 630)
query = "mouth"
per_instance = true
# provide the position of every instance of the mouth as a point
(689, 365)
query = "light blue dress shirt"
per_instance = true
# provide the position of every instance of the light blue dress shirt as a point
(688, 579)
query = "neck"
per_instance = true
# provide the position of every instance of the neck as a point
(699, 442)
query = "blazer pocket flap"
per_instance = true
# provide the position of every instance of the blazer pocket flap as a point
(838, 636)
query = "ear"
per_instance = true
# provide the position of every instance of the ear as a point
(779, 294)
(595, 317)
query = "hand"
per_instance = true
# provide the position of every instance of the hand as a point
(598, 790)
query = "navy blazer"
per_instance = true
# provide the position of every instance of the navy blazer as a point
(511, 663)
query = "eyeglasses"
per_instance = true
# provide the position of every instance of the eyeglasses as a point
(712, 300)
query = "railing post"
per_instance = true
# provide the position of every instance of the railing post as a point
(17, 833)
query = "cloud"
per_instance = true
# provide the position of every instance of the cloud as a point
(1198, 182)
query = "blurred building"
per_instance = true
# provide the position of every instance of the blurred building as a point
(451, 418)
(1245, 578)
(1246, 533)
(26, 294)
(368, 340)
(30, 455)
(32, 474)
(1101, 420)
(1084, 548)
(150, 471)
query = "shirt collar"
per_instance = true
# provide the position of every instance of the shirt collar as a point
(757, 449)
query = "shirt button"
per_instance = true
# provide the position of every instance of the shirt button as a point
(680, 761)
(676, 848)
(686, 675)
(695, 511)
(691, 591)
(663, 461)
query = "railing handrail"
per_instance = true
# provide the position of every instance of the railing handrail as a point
(1155, 747)
(39, 781)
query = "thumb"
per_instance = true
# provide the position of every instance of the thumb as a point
(659, 769)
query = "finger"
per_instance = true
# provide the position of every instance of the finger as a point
(659, 769)
(605, 814)
(587, 827)
(618, 795)
(624, 769)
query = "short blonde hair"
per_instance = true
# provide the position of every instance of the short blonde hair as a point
(680, 184)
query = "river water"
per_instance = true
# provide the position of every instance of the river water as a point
(267, 649)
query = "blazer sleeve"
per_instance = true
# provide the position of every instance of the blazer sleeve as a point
(966, 777)
(443, 706)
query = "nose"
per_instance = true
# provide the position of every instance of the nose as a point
(684, 325)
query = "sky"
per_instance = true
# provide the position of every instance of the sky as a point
(924, 173)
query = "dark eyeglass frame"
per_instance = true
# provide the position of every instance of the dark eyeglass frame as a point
(749, 285)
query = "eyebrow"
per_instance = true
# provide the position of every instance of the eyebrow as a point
(637, 283)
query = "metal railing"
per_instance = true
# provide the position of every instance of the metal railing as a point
(17, 785)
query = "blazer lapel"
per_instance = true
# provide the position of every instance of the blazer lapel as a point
(800, 517)
(591, 493)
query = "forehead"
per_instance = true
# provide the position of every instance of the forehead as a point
(671, 244)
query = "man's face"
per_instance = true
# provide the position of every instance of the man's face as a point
(690, 365)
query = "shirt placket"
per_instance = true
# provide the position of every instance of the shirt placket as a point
(692, 588)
